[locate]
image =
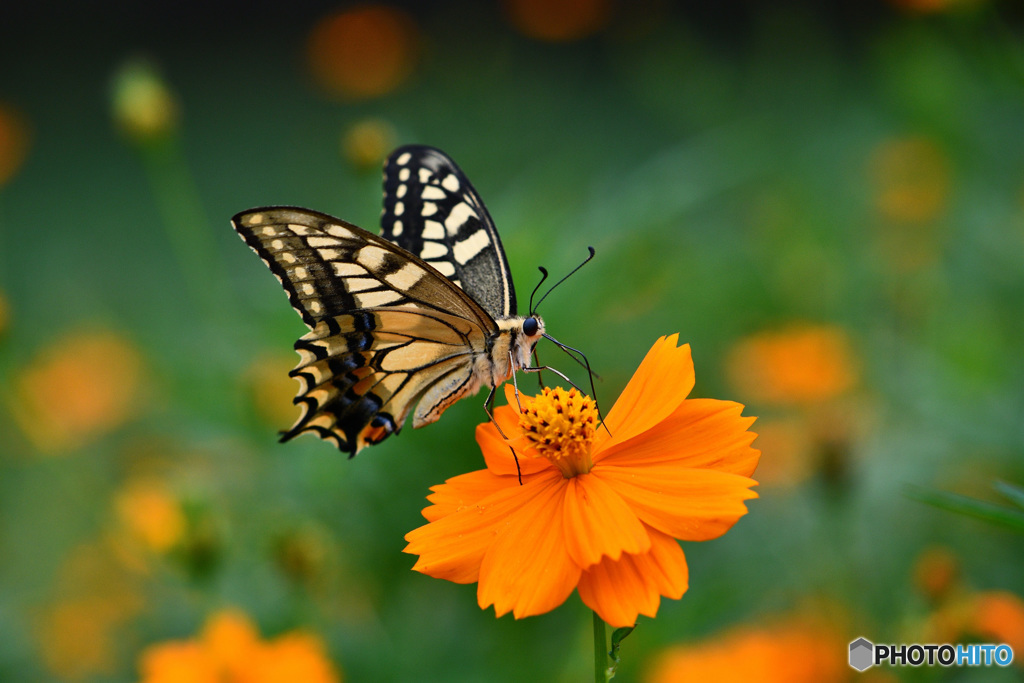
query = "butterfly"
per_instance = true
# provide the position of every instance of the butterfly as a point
(423, 315)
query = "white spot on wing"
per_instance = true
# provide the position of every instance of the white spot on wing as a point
(399, 208)
(288, 257)
(444, 267)
(471, 246)
(269, 231)
(407, 276)
(255, 219)
(348, 269)
(432, 192)
(314, 306)
(372, 257)
(277, 244)
(382, 298)
(451, 183)
(301, 273)
(396, 228)
(403, 175)
(433, 250)
(329, 254)
(425, 175)
(308, 289)
(403, 159)
(316, 242)
(432, 230)
(400, 192)
(459, 215)
(339, 230)
(429, 209)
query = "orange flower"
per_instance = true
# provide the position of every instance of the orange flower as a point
(558, 20)
(230, 649)
(78, 389)
(151, 514)
(363, 51)
(598, 509)
(803, 364)
(14, 142)
(793, 650)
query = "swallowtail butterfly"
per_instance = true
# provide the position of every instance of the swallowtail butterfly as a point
(421, 316)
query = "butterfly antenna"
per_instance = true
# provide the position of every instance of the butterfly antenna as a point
(543, 277)
(585, 262)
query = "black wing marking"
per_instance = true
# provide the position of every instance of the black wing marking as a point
(384, 325)
(432, 210)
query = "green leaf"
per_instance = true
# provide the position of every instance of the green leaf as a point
(972, 507)
(1014, 493)
(618, 635)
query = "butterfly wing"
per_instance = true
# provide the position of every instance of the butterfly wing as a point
(386, 329)
(431, 210)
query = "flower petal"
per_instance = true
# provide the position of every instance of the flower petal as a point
(462, 491)
(453, 547)
(701, 433)
(527, 569)
(688, 504)
(621, 590)
(658, 386)
(599, 523)
(498, 452)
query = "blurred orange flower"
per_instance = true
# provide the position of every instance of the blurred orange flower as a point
(986, 616)
(14, 142)
(598, 509)
(230, 649)
(936, 572)
(78, 389)
(558, 20)
(362, 52)
(76, 635)
(792, 451)
(803, 364)
(271, 388)
(998, 616)
(5, 313)
(151, 514)
(76, 638)
(794, 650)
(912, 179)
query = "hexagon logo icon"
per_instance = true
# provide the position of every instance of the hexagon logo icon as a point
(862, 653)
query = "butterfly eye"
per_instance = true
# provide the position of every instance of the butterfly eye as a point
(530, 326)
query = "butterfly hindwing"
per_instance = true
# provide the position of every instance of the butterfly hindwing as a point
(431, 210)
(386, 329)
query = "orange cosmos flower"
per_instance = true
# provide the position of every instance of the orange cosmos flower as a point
(598, 509)
(230, 649)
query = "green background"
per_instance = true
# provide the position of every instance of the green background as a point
(721, 163)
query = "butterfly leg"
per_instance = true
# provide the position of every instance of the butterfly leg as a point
(489, 409)
(570, 351)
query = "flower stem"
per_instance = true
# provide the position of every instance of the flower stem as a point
(600, 651)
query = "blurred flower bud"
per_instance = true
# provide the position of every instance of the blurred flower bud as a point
(367, 142)
(143, 107)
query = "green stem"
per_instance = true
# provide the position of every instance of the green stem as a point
(600, 651)
(185, 222)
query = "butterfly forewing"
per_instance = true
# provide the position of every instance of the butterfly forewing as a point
(431, 210)
(386, 329)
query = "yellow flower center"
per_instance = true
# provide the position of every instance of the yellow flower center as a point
(560, 424)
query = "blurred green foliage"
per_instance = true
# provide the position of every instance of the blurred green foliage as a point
(739, 171)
